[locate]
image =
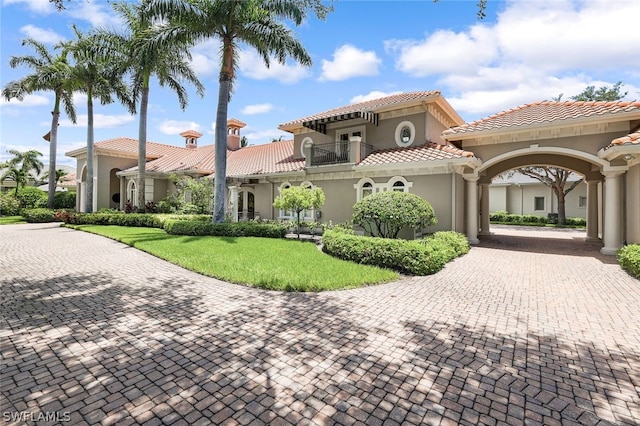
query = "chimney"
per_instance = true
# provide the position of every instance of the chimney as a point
(233, 134)
(191, 138)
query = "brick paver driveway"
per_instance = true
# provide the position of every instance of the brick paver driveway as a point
(96, 332)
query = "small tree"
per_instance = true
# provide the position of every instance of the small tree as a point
(299, 198)
(386, 213)
(192, 195)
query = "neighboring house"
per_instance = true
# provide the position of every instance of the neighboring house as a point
(521, 194)
(66, 183)
(413, 142)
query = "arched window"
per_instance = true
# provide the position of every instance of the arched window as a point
(365, 187)
(132, 192)
(306, 142)
(398, 186)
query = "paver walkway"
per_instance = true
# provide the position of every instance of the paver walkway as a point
(99, 333)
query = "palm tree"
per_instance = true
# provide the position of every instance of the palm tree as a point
(20, 168)
(95, 74)
(51, 73)
(256, 23)
(143, 59)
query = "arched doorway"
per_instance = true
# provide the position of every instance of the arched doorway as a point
(114, 189)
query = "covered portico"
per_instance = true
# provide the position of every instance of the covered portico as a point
(599, 141)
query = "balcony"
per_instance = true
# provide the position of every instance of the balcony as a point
(341, 152)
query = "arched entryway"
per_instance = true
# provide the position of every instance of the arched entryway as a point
(605, 203)
(114, 189)
(246, 204)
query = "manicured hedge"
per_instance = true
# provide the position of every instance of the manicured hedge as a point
(146, 220)
(530, 219)
(629, 259)
(420, 257)
(229, 229)
(40, 215)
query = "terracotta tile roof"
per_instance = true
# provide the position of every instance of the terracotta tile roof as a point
(128, 145)
(429, 152)
(630, 139)
(185, 159)
(544, 112)
(274, 157)
(191, 134)
(371, 105)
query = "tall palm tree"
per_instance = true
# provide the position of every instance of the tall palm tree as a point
(51, 73)
(256, 23)
(95, 74)
(21, 167)
(143, 59)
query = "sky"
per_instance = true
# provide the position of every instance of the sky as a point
(523, 51)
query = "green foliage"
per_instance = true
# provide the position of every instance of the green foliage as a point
(227, 229)
(530, 219)
(386, 213)
(192, 196)
(31, 197)
(421, 257)
(603, 93)
(64, 200)
(9, 204)
(41, 215)
(298, 199)
(133, 219)
(275, 264)
(629, 259)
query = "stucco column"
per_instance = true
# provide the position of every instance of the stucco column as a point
(83, 197)
(471, 209)
(592, 210)
(612, 235)
(233, 203)
(484, 209)
(123, 192)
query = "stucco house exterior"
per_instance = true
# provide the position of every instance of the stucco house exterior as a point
(414, 142)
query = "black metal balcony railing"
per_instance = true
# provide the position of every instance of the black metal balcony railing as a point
(330, 153)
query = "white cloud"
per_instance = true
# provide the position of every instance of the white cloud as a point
(100, 121)
(535, 50)
(39, 6)
(47, 36)
(257, 109)
(28, 101)
(375, 94)
(205, 59)
(252, 66)
(444, 51)
(98, 14)
(349, 61)
(258, 137)
(174, 127)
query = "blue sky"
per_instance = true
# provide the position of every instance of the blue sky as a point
(523, 51)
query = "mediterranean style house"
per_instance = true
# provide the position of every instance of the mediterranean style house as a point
(412, 142)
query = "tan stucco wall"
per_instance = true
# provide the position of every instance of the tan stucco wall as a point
(160, 188)
(519, 199)
(632, 188)
(102, 172)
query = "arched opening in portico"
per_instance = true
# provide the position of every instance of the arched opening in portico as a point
(583, 164)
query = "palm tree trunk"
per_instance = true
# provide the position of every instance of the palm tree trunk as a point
(142, 145)
(89, 200)
(221, 149)
(53, 142)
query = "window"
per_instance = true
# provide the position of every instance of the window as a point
(306, 143)
(398, 186)
(582, 201)
(405, 134)
(307, 215)
(538, 203)
(367, 189)
(132, 192)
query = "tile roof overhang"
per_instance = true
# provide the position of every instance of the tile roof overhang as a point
(425, 155)
(368, 110)
(126, 147)
(545, 115)
(625, 147)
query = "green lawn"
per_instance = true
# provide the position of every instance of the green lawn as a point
(268, 263)
(10, 220)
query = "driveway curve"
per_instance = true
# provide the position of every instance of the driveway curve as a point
(95, 332)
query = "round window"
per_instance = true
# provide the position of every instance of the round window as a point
(405, 134)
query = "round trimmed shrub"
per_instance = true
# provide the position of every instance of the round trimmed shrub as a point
(9, 205)
(32, 198)
(386, 213)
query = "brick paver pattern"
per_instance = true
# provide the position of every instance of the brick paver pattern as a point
(547, 332)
